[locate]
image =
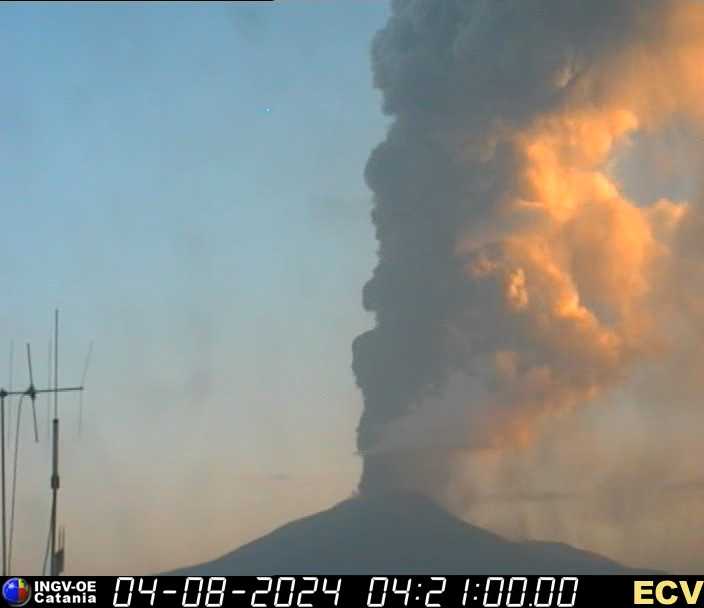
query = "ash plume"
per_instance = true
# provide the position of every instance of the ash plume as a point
(517, 281)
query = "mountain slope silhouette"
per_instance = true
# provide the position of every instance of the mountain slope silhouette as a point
(399, 534)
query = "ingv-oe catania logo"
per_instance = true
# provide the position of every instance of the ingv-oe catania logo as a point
(16, 592)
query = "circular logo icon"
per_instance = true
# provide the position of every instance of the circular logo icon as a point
(16, 592)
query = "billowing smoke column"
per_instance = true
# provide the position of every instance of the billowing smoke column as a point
(516, 281)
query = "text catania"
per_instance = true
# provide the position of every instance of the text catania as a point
(64, 592)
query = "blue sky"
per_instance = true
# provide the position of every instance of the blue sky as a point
(185, 182)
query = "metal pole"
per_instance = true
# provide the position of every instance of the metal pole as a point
(55, 456)
(2, 449)
(54, 489)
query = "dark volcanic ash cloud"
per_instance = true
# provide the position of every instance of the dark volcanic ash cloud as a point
(516, 281)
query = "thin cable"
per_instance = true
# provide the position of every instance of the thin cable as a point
(14, 483)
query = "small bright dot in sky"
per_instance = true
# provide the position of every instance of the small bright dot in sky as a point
(268, 110)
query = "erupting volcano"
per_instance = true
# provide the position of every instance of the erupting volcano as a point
(518, 284)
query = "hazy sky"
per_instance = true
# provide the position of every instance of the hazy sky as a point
(185, 182)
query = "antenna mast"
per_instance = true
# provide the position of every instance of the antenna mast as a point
(55, 449)
(32, 392)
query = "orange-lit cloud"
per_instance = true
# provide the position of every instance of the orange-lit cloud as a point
(519, 281)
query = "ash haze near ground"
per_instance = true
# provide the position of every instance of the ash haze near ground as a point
(187, 183)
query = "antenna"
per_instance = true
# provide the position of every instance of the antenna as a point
(57, 556)
(48, 397)
(83, 382)
(55, 450)
(12, 365)
(32, 392)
